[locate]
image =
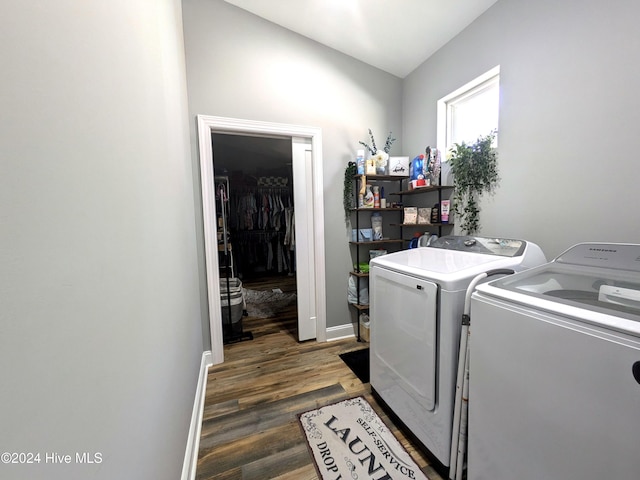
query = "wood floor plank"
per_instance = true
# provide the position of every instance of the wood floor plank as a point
(212, 410)
(281, 374)
(251, 448)
(280, 382)
(250, 429)
(275, 465)
(243, 423)
(307, 472)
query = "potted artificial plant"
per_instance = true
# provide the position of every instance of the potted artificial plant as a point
(379, 157)
(348, 198)
(475, 172)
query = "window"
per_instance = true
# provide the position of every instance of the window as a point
(470, 111)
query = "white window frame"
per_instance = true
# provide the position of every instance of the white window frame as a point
(445, 105)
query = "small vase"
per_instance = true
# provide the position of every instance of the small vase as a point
(381, 170)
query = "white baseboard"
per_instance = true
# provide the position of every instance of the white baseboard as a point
(341, 331)
(193, 441)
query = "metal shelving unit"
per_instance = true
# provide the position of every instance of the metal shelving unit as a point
(401, 193)
(356, 273)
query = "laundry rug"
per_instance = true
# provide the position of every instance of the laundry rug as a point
(266, 303)
(358, 362)
(348, 440)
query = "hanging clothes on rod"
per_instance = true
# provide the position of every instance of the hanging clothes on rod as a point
(264, 252)
(260, 208)
(263, 228)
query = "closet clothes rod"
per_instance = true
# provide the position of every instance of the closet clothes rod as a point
(269, 234)
(279, 190)
(244, 189)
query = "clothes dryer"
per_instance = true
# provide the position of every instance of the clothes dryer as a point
(554, 383)
(416, 305)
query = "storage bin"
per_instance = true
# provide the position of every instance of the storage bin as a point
(233, 304)
(365, 327)
(363, 235)
(235, 284)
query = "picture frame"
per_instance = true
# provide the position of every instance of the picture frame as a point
(399, 166)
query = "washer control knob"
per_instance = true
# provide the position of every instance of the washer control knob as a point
(636, 371)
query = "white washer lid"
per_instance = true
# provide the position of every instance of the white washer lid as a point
(452, 269)
(597, 283)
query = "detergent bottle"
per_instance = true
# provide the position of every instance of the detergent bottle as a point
(416, 171)
(368, 197)
(427, 239)
(376, 196)
(360, 162)
(414, 241)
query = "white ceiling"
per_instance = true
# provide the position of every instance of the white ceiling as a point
(393, 35)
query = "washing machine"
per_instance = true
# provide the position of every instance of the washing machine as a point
(416, 305)
(554, 382)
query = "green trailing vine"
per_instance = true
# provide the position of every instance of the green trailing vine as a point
(475, 172)
(348, 200)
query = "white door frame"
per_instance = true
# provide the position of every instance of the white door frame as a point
(207, 125)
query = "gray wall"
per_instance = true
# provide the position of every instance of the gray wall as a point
(100, 329)
(569, 116)
(241, 66)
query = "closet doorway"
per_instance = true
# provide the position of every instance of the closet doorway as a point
(247, 153)
(254, 183)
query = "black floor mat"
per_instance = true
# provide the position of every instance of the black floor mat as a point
(358, 362)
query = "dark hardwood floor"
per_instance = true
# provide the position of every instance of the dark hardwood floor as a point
(250, 428)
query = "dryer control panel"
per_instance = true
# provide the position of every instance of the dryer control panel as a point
(503, 247)
(615, 256)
